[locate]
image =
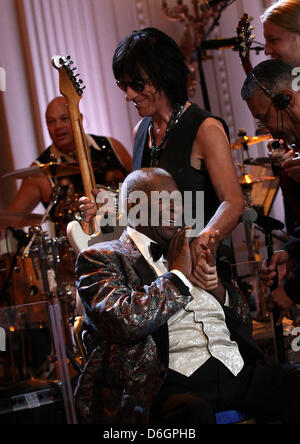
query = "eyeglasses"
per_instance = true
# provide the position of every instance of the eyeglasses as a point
(261, 123)
(136, 85)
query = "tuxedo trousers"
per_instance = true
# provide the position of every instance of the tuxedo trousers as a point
(264, 392)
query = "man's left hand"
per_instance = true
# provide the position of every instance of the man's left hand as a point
(292, 168)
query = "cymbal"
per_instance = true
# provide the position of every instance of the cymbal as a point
(19, 220)
(249, 140)
(248, 179)
(53, 169)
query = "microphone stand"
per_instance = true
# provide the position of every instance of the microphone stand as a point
(277, 329)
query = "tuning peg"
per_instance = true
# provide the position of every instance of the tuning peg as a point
(252, 37)
(244, 53)
(251, 27)
(242, 35)
(80, 90)
(243, 45)
(250, 19)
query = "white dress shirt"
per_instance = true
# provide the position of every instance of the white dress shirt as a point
(197, 331)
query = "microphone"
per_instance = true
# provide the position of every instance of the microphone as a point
(266, 222)
(231, 42)
(20, 236)
(249, 215)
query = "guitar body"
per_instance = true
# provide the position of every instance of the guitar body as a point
(79, 240)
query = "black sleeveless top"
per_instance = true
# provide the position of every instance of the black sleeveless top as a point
(175, 157)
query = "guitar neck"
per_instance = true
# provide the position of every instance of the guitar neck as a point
(83, 155)
(247, 65)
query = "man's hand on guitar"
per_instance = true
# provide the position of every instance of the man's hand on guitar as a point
(87, 207)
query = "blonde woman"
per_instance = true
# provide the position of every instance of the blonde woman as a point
(281, 23)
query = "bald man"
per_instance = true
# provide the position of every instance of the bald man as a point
(114, 160)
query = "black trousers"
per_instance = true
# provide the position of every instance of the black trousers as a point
(262, 391)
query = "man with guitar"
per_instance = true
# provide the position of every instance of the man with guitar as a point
(112, 162)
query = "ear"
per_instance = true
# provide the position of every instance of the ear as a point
(290, 94)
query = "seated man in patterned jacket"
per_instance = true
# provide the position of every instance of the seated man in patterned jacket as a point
(162, 351)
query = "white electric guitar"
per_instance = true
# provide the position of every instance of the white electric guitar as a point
(81, 235)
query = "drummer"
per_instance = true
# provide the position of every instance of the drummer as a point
(112, 160)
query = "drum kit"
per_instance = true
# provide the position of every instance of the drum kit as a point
(42, 267)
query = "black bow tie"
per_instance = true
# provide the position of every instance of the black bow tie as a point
(157, 251)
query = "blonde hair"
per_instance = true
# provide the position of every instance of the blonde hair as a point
(284, 13)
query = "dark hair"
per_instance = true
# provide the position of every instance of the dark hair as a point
(153, 53)
(274, 75)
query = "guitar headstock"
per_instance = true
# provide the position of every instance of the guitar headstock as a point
(245, 38)
(69, 84)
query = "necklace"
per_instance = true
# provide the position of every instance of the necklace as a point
(156, 149)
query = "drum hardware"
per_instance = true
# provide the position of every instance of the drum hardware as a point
(57, 270)
(277, 329)
(56, 194)
(4, 294)
(254, 258)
